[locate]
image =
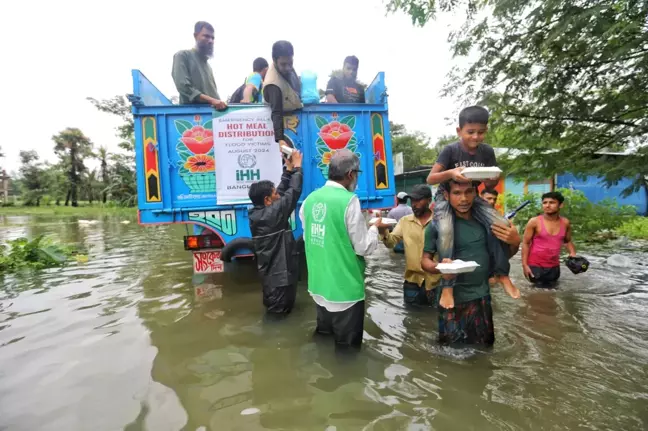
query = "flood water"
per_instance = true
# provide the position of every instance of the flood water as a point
(131, 340)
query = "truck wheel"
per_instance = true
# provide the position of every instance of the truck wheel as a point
(230, 249)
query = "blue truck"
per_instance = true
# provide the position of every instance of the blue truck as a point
(176, 180)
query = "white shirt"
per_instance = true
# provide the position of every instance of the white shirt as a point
(364, 241)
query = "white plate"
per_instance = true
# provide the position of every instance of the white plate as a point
(457, 267)
(385, 220)
(485, 173)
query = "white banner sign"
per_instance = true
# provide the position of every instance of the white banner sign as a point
(397, 160)
(245, 152)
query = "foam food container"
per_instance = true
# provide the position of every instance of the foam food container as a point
(385, 220)
(484, 173)
(457, 267)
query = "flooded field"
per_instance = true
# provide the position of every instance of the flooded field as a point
(131, 340)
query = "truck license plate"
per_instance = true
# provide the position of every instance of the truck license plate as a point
(207, 262)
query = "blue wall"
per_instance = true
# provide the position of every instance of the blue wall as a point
(595, 190)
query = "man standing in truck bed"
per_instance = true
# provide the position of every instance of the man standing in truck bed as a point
(281, 87)
(192, 75)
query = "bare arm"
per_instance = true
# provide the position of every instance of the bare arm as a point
(514, 247)
(390, 239)
(248, 94)
(508, 234)
(438, 175)
(331, 99)
(428, 264)
(529, 232)
(571, 248)
(330, 91)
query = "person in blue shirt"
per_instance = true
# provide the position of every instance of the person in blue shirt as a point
(402, 209)
(250, 91)
(254, 82)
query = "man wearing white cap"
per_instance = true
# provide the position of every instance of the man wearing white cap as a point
(401, 210)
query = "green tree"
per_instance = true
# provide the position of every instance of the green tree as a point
(31, 180)
(91, 186)
(564, 79)
(415, 146)
(121, 182)
(103, 169)
(57, 183)
(119, 106)
(72, 146)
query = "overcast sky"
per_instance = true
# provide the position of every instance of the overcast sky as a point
(56, 53)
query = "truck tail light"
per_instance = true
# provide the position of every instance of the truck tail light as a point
(199, 242)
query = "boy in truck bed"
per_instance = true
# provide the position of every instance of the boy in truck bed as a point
(470, 151)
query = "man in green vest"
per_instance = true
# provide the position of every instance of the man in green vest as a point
(281, 87)
(336, 241)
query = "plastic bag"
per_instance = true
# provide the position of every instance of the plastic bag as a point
(309, 91)
(577, 264)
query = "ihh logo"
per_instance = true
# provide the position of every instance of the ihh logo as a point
(318, 230)
(248, 175)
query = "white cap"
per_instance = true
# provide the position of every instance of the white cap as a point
(401, 195)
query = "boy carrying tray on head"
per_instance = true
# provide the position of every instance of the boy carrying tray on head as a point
(470, 151)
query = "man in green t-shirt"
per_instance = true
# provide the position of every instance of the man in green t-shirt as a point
(465, 314)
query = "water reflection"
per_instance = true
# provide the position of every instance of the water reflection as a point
(132, 340)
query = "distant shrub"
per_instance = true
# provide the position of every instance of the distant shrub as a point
(635, 228)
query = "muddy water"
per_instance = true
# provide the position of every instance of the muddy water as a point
(130, 340)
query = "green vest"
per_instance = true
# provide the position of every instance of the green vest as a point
(335, 272)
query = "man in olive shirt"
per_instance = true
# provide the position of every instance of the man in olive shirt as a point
(192, 75)
(465, 314)
(419, 286)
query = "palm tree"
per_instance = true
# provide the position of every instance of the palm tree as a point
(103, 158)
(72, 146)
(91, 186)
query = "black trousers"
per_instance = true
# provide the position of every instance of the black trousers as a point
(545, 277)
(413, 294)
(345, 326)
(280, 299)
